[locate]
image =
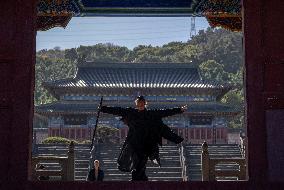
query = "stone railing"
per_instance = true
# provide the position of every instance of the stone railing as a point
(243, 146)
(182, 162)
(209, 172)
(66, 171)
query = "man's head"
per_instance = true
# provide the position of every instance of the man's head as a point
(96, 164)
(140, 103)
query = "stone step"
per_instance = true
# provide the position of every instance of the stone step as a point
(172, 169)
(214, 151)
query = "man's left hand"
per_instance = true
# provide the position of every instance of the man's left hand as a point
(183, 108)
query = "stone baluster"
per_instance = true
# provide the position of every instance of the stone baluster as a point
(242, 175)
(205, 162)
(33, 169)
(71, 162)
(64, 166)
(34, 149)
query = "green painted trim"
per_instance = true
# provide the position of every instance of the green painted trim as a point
(137, 11)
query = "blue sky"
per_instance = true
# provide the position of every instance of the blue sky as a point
(123, 31)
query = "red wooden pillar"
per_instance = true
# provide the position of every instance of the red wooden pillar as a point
(254, 60)
(17, 59)
(264, 78)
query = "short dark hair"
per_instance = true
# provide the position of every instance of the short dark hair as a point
(140, 98)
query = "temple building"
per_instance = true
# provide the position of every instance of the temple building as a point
(164, 85)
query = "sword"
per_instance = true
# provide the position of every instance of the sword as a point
(92, 152)
(97, 120)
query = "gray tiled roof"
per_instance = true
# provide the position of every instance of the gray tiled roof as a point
(136, 75)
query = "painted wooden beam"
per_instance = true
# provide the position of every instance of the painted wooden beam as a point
(137, 7)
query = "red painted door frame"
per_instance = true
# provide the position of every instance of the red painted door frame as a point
(17, 59)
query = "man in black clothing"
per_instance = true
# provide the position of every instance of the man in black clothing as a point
(146, 130)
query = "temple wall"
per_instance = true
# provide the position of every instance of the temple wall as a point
(213, 132)
(39, 135)
(193, 135)
(233, 138)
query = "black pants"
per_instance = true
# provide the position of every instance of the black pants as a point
(139, 167)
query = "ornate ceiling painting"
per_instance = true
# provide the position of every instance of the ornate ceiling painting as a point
(55, 13)
(222, 13)
(219, 13)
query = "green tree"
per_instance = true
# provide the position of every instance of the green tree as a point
(223, 46)
(50, 69)
(235, 98)
(213, 71)
(106, 133)
(71, 54)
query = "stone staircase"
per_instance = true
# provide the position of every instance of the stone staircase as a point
(107, 154)
(171, 169)
(170, 161)
(193, 158)
(82, 155)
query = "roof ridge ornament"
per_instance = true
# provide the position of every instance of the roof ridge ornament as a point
(143, 65)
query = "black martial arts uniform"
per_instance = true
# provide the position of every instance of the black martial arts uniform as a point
(146, 130)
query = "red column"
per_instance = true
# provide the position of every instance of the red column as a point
(253, 18)
(17, 59)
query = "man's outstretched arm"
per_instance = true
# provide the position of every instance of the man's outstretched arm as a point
(170, 112)
(114, 110)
